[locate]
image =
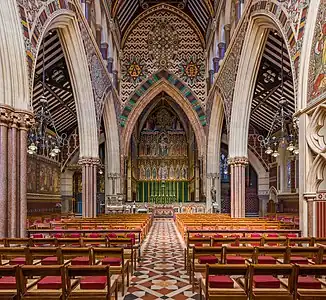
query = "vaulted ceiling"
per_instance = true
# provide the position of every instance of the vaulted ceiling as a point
(126, 10)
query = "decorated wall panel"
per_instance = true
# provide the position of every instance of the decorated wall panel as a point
(163, 39)
(317, 74)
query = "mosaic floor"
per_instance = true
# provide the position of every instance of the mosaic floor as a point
(161, 274)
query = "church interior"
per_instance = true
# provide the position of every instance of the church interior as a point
(163, 149)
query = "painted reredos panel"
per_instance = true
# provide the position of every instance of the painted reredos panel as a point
(163, 40)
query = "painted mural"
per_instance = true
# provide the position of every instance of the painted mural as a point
(43, 176)
(317, 78)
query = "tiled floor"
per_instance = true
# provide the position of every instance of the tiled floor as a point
(161, 274)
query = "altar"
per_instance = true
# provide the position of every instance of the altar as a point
(163, 212)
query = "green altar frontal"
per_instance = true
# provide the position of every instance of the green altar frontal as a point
(163, 191)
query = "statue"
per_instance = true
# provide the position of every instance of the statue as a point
(163, 146)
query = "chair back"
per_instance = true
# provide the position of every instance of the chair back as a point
(207, 251)
(313, 253)
(300, 241)
(71, 253)
(12, 253)
(126, 243)
(37, 253)
(227, 241)
(43, 242)
(275, 252)
(100, 253)
(69, 242)
(245, 252)
(274, 241)
(89, 271)
(94, 242)
(30, 271)
(18, 242)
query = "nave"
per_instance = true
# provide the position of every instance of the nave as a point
(161, 273)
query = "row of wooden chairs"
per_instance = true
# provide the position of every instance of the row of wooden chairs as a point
(119, 259)
(57, 282)
(263, 282)
(245, 242)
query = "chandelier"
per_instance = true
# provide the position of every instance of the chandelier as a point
(287, 136)
(41, 139)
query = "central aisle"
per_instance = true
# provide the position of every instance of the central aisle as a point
(161, 273)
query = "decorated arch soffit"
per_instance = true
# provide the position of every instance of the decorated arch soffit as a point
(36, 15)
(290, 17)
(163, 43)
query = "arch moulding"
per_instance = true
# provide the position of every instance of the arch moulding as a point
(172, 91)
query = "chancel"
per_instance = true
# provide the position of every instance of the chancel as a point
(162, 149)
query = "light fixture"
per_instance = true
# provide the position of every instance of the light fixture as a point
(286, 137)
(42, 139)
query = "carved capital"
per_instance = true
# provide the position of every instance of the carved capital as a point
(238, 161)
(90, 161)
(5, 115)
(24, 119)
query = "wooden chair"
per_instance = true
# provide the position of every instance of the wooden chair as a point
(238, 255)
(94, 282)
(269, 255)
(224, 282)
(300, 242)
(309, 283)
(94, 242)
(303, 255)
(18, 242)
(194, 242)
(115, 258)
(14, 256)
(44, 256)
(202, 256)
(129, 251)
(43, 242)
(227, 241)
(250, 241)
(76, 256)
(269, 282)
(9, 282)
(274, 241)
(43, 282)
(69, 242)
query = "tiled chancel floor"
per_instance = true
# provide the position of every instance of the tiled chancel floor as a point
(161, 274)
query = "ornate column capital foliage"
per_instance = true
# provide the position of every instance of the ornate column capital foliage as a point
(89, 161)
(15, 118)
(237, 161)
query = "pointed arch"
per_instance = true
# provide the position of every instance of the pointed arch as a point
(172, 80)
(71, 40)
(133, 112)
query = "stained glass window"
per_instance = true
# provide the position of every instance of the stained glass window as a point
(224, 168)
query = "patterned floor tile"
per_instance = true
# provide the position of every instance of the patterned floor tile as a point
(161, 274)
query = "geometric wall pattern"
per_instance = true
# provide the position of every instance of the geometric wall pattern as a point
(163, 39)
(173, 80)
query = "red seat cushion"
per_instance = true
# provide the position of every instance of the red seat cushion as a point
(37, 236)
(51, 260)
(299, 260)
(75, 235)
(235, 260)
(80, 261)
(266, 282)
(112, 261)
(307, 282)
(220, 282)
(132, 236)
(112, 235)
(208, 259)
(8, 283)
(265, 259)
(218, 236)
(94, 235)
(18, 261)
(291, 235)
(255, 235)
(273, 235)
(93, 282)
(50, 283)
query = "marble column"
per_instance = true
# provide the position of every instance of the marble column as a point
(89, 185)
(210, 78)
(5, 118)
(115, 79)
(110, 65)
(310, 199)
(197, 181)
(129, 182)
(98, 34)
(216, 64)
(221, 50)
(238, 186)
(13, 168)
(227, 33)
